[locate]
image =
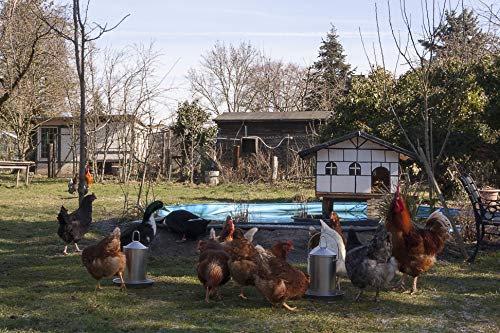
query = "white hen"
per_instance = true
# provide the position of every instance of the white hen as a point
(334, 243)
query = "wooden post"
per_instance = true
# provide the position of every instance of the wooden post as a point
(26, 179)
(49, 161)
(274, 168)
(169, 155)
(287, 160)
(236, 157)
(54, 155)
(17, 178)
(326, 207)
(434, 184)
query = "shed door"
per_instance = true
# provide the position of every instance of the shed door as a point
(381, 180)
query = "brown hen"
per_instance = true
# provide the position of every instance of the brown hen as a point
(213, 270)
(104, 259)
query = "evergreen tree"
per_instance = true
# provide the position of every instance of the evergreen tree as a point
(331, 75)
(460, 35)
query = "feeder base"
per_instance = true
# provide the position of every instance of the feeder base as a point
(326, 296)
(139, 284)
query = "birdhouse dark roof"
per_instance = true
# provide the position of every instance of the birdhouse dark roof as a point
(309, 151)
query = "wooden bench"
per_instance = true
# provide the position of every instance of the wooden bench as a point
(486, 213)
(19, 166)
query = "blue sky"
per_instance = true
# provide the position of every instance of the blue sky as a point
(287, 30)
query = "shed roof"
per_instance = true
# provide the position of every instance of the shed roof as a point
(309, 151)
(272, 116)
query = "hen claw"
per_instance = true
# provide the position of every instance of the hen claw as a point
(288, 307)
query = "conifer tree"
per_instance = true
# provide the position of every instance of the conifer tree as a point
(331, 75)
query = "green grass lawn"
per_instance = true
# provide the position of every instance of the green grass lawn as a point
(44, 291)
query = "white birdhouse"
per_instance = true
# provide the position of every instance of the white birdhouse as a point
(356, 166)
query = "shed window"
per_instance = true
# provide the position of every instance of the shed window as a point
(331, 168)
(354, 169)
(48, 136)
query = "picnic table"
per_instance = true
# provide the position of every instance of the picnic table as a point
(19, 166)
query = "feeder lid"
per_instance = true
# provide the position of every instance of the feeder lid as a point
(136, 244)
(322, 252)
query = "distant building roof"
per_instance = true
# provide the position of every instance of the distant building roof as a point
(112, 118)
(274, 116)
(307, 152)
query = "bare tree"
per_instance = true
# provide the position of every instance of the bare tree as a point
(279, 87)
(20, 35)
(81, 35)
(223, 81)
(36, 65)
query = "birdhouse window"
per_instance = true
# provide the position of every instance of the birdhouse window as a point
(354, 169)
(331, 168)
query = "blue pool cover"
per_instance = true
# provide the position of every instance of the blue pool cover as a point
(278, 212)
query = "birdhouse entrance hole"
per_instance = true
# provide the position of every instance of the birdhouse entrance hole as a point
(381, 180)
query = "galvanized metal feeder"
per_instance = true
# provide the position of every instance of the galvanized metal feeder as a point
(135, 273)
(322, 269)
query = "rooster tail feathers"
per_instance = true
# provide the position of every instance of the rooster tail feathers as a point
(62, 217)
(251, 233)
(438, 218)
(212, 234)
(152, 207)
(116, 232)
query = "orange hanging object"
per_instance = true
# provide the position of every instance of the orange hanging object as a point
(89, 179)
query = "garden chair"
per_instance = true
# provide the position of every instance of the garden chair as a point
(486, 213)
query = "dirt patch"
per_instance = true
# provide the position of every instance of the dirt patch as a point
(168, 244)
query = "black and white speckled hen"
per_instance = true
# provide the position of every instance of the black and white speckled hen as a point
(372, 264)
(72, 227)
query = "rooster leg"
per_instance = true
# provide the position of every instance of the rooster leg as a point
(376, 299)
(122, 285)
(77, 249)
(65, 251)
(400, 285)
(98, 287)
(207, 295)
(358, 296)
(337, 283)
(219, 296)
(242, 295)
(288, 307)
(414, 286)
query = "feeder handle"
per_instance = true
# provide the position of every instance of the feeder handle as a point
(322, 238)
(138, 236)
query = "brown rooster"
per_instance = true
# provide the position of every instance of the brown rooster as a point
(72, 227)
(226, 234)
(213, 270)
(279, 281)
(104, 259)
(415, 249)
